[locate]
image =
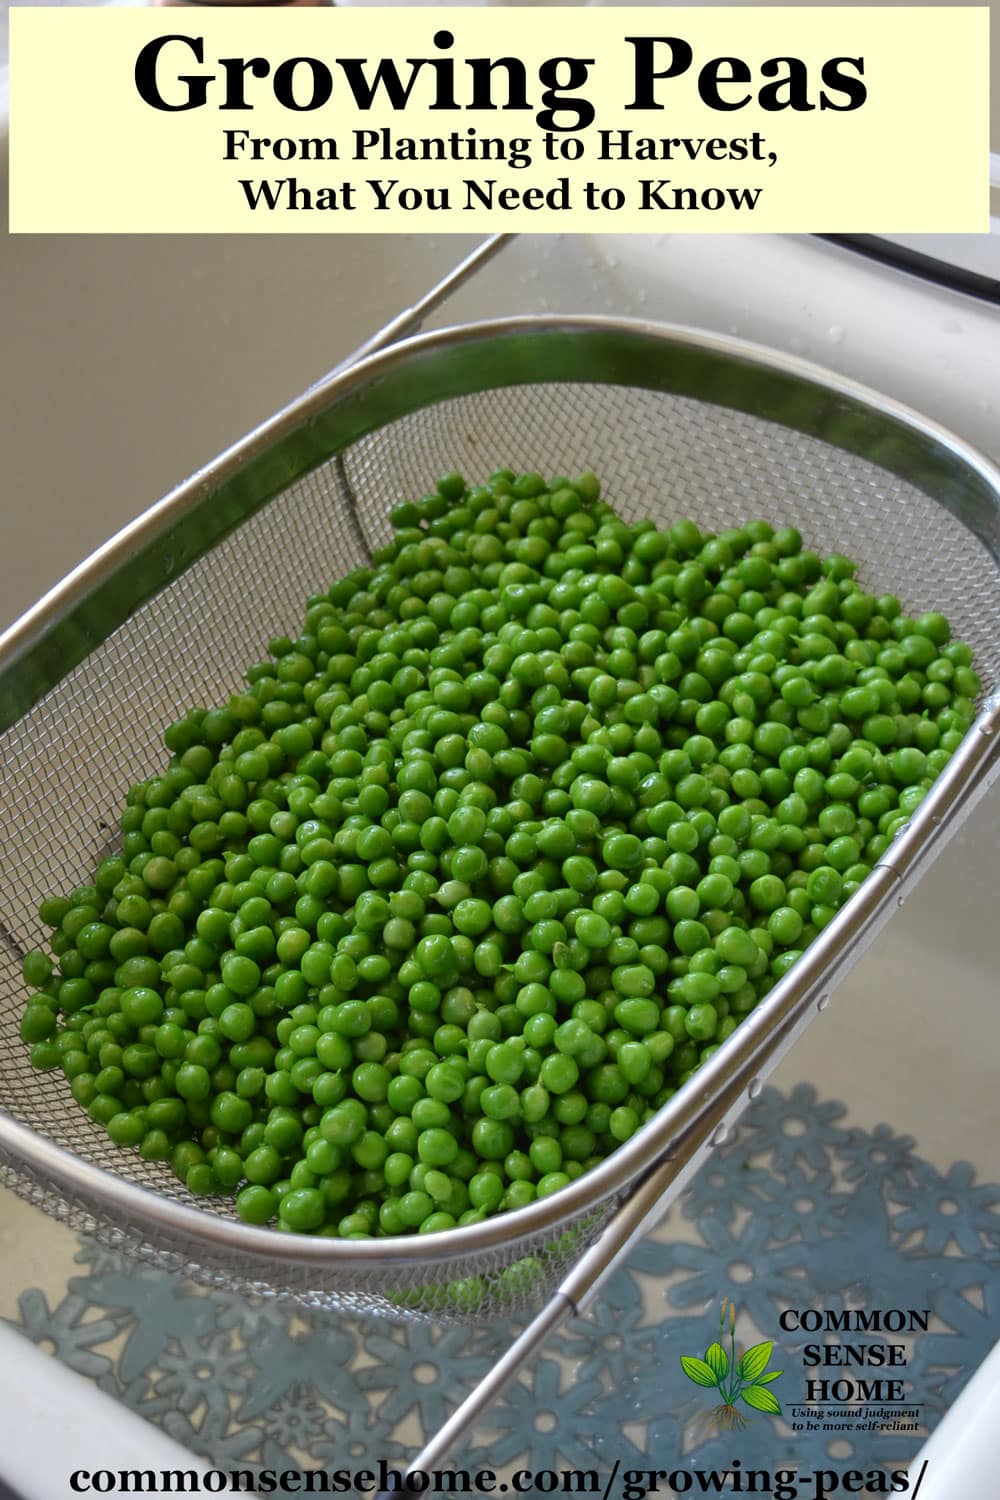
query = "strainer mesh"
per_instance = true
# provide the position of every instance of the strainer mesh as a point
(66, 766)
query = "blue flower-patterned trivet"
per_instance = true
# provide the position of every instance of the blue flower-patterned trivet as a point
(797, 1211)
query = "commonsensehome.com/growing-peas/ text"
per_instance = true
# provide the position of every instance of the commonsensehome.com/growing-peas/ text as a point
(619, 1484)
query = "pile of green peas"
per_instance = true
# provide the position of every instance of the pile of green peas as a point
(489, 860)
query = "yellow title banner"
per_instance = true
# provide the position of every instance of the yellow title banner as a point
(848, 119)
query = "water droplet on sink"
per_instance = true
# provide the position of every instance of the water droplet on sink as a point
(822, 1002)
(719, 1136)
(755, 1089)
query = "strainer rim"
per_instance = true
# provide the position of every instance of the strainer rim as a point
(622, 1168)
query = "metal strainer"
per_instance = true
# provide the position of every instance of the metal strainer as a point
(677, 424)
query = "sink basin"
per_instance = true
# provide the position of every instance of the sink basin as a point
(128, 362)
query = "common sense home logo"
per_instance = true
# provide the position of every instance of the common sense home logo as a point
(737, 1374)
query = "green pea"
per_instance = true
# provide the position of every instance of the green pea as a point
(303, 1209)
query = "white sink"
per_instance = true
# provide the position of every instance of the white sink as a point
(125, 363)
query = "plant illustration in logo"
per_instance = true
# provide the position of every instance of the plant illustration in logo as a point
(737, 1376)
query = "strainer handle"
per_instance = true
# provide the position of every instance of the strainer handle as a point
(626, 1226)
(638, 1214)
(411, 319)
